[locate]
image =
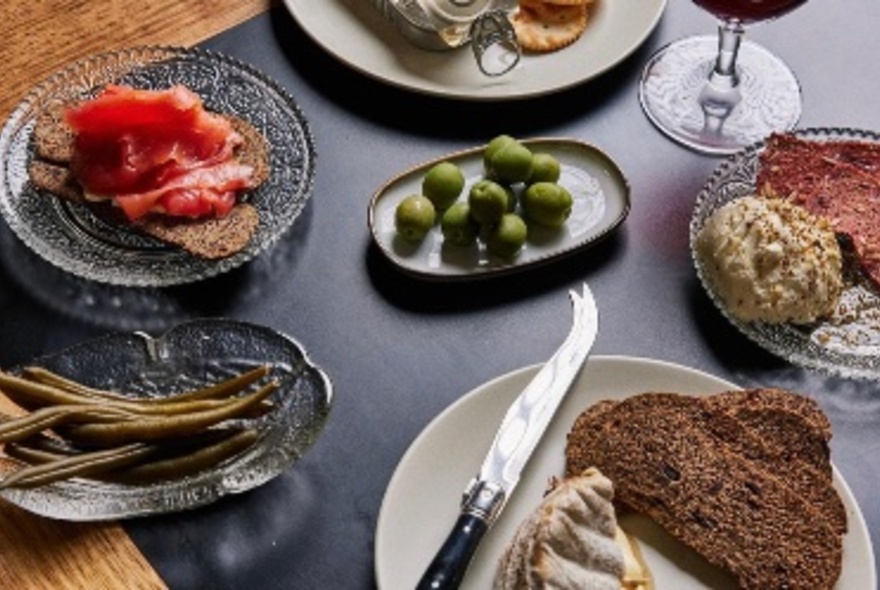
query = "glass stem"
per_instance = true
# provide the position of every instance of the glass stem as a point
(721, 94)
(724, 75)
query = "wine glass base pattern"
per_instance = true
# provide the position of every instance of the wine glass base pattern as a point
(674, 95)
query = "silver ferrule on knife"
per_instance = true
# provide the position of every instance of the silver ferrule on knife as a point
(483, 499)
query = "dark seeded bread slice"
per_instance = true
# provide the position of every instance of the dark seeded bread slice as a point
(791, 423)
(55, 179)
(53, 139)
(667, 465)
(212, 238)
(255, 150)
(782, 432)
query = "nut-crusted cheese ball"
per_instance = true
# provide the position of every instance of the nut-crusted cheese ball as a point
(769, 260)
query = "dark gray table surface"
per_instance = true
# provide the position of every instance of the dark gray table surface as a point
(399, 350)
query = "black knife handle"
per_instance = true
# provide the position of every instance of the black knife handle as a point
(447, 569)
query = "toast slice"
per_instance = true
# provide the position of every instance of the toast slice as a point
(210, 238)
(670, 458)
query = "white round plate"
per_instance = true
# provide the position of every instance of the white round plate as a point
(422, 499)
(357, 33)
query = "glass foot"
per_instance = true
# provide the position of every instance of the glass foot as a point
(674, 95)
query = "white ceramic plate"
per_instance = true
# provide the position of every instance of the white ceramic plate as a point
(356, 33)
(599, 189)
(421, 502)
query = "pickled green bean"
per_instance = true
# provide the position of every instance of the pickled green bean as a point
(81, 465)
(31, 394)
(225, 388)
(164, 463)
(150, 429)
(22, 427)
(183, 465)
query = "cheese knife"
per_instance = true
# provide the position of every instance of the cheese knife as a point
(522, 428)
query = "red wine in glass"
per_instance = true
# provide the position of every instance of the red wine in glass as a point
(748, 11)
(718, 94)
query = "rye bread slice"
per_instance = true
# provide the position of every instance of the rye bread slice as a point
(781, 431)
(207, 238)
(53, 138)
(55, 179)
(792, 425)
(217, 237)
(667, 464)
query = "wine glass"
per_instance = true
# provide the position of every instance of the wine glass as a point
(719, 94)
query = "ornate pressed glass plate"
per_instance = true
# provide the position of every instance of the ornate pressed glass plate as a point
(599, 189)
(188, 356)
(848, 342)
(70, 237)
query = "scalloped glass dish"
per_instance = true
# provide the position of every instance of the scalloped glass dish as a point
(188, 356)
(846, 344)
(70, 237)
(601, 196)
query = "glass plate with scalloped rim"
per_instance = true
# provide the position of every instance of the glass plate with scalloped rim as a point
(188, 356)
(848, 342)
(72, 238)
(600, 191)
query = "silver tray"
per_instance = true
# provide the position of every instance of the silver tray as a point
(188, 356)
(847, 344)
(70, 237)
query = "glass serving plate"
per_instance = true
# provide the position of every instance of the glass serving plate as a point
(847, 343)
(189, 356)
(72, 238)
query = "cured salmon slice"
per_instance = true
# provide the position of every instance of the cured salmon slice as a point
(156, 151)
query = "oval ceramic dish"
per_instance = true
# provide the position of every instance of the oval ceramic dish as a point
(846, 344)
(601, 196)
(72, 238)
(188, 356)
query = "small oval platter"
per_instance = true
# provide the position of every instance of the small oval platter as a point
(599, 188)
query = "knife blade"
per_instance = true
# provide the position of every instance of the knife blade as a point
(520, 432)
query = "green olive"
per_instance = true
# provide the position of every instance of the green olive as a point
(414, 217)
(457, 225)
(507, 237)
(443, 184)
(488, 201)
(511, 163)
(547, 203)
(545, 168)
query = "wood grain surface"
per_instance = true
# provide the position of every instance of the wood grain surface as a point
(40, 36)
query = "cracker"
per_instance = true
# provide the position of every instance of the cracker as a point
(542, 27)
